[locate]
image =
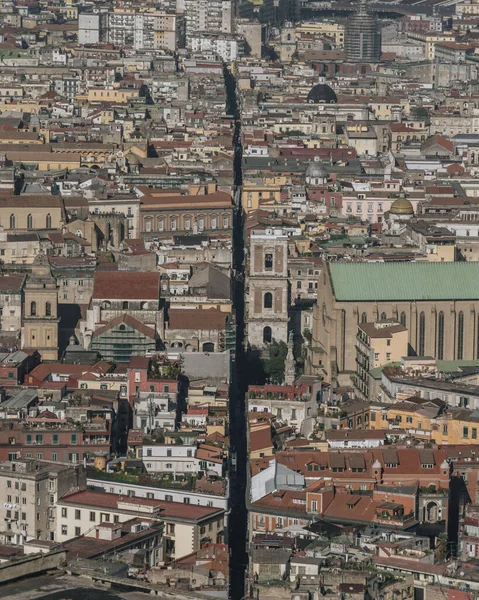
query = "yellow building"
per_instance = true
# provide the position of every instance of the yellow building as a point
(334, 31)
(31, 212)
(40, 329)
(429, 40)
(467, 7)
(258, 191)
(457, 427)
(20, 137)
(116, 95)
(377, 344)
(364, 415)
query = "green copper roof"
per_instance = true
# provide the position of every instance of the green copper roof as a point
(404, 281)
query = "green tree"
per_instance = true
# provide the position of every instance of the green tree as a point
(274, 364)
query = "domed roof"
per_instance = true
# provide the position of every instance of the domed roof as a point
(322, 94)
(401, 206)
(316, 170)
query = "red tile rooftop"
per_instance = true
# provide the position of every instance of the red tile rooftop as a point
(169, 510)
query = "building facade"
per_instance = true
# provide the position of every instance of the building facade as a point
(438, 303)
(40, 324)
(267, 285)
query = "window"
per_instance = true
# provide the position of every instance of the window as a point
(213, 222)
(444, 429)
(64, 512)
(64, 530)
(48, 221)
(92, 516)
(268, 300)
(12, 221)
(465, 432)
(440, 336)
(39, 438)
(314, 506)
(48, 309)
(30, 222)
(148, 224)
(460, 335)
(267, 335)
(422, 333)
(225, 222)
(474, 433)
(74, 438)
(77, 514)
(77, 531)
(168, 453)
(268, 262)
(173, 223)
(383, 316)
(33, 309)
(186, 500)
(187, 223)
(364, 318)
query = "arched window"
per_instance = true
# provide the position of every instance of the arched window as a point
(48, 221)
(364, 317)
(422, 333)
(33, 309)
(12, 221)
(208, 347)
(268, 300)
(125, 305)
(148, 222)
(440, 336)
(267, 335)
(30, 222)
(383, 316)
(402, 319)
(48, 309)
(122, 328)
(460, 336)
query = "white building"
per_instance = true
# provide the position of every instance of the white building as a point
(225, 46)
(90, 28)
(168, 494)
(150, 30)
(152, 410)
(183, 459)
(299, 413)
(208, 15)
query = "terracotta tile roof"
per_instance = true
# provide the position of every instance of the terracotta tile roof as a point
(210, 319)
(124, 285)
(260, 439)
(173, 510)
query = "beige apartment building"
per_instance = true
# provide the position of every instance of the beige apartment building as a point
(377, 344)
(187, 526)
(29, 491)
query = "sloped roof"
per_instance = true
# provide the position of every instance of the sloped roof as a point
(124, 285)
(126, 320)
(404, 281)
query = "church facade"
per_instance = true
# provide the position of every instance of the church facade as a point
(438, 303)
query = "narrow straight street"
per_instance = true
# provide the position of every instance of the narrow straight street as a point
(237, 409)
